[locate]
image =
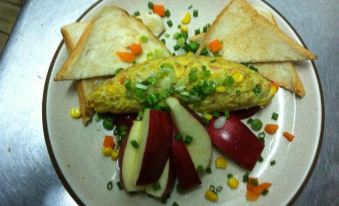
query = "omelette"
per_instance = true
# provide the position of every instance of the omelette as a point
(205, 84)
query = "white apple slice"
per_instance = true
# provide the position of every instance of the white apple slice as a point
(164, 185)
(200, 149)
(129, 171)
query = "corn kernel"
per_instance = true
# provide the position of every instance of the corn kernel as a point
(232, 183)
(207, 116)
(220, 89)
(238, 78)
(186, 19)
(75, 112)
(183, 28)
(211, 196)
(107, 151)
(221, 163)
(115, 154)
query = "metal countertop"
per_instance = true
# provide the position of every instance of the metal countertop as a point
(27, 176)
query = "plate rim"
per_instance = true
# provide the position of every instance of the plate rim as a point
(58, 170)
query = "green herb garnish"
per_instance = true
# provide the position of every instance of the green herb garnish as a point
(195, 13)
(135, 144)
(275, 116)
(188, 139)
(256, 124)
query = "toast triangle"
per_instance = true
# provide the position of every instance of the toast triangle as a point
(249, 37)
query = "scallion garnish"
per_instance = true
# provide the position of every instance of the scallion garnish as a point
(216, 114)
(257, 89)
(178, 136)
(167, 13)
(272, 162)
(135, 144)
(197, 31)
(275, 116)
(194, 46)
(150, 5)
(264, 192)
(209, 170)
(229, 81)
(195, 13)
(119, 185)
(141, 86)
(260, 159)
(245, 177)
(249, 121)
(256, 124)
(227, 114)
(200, 168)
(136, 13)
(156, 186)
(169, 23)
(110, 185)
(192, 76)
(188, 139)
(229, 175)
(237, 93)
(218, 189)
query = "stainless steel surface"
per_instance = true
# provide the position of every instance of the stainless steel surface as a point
(26, 173)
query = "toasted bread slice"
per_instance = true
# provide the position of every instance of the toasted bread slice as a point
(249, 37)
(112, 30)
(282, 73)
(71, 34)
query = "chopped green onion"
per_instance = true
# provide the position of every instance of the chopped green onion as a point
(177, 35)
(275, 116)
(110, 185)
(195, 13)
(197, 31)
(188, 139)
(261, 135)
(140, 114)
(121, 130)
(156, 186)
(209, 170)
(229, 81)
(257, 89)
(167, 13)
(205, 72)
(216, 114)
(178, 136)
(229, 175)
(192, 76)
(167, 35)
(149, 55)
(212, 188)
(253, 68)
(204, 52)
(181, 41)
(205, 28)
(264, 192)
(143, 39)
(186, 47)
(136, 13)
(212, 61)
(194, 46)
(200, 168)
(260, 159)
(141, 86)
(108, 124)
(119, 185)
(150, 5)
(135, 144)
(151, 99)
(175, 204)
(176, 47)
(218, 189)
(227, 114)
(256, 124)
(272, 162)
(249, 121)
(245, 177)
(237, 93)
(190, 7)
(163, 41)
(169, 23)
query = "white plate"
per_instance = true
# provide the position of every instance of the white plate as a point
(75, 150)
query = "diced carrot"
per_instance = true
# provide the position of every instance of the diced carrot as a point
(136, 48)
(288, 136)
(271, 128)
(260, 188)
(126, 56)
(159, 9)
(251, 196)
(215, 45)
(108, 142)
